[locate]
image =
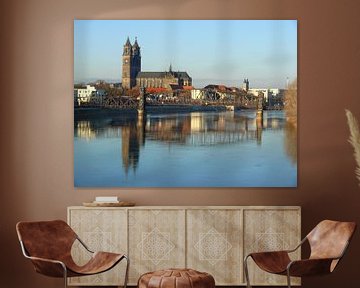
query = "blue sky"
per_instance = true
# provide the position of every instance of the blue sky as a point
(211, 51)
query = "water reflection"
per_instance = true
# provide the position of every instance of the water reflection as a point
(290, 142)
(189, 130)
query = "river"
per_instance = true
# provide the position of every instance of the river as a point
(189, 149)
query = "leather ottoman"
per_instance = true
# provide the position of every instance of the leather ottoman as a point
(176, 278)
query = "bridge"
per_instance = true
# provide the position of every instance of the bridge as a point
(202, 97)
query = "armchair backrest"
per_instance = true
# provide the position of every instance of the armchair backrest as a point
(46, 239)
(329, 239)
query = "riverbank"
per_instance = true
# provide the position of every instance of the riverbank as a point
(101, 112)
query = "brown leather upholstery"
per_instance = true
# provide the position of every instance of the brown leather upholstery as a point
(328, 239)
(53, 240)
(328, 242)
(176, 278)
(272, 262)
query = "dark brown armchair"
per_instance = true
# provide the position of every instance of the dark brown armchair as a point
(48, 245)
(328, 242)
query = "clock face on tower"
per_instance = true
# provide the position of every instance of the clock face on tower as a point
(126, 61)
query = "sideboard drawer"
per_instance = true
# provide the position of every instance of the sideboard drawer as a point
(101, 230)
(156, 240)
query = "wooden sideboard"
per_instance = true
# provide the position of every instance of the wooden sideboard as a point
(212, 239)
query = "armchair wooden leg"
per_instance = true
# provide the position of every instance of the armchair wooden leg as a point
(246, 271)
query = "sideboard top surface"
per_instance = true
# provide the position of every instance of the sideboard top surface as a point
(193, 207)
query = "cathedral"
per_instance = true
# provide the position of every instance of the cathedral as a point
(133, 76)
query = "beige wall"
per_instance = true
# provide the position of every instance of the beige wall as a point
(36, 114)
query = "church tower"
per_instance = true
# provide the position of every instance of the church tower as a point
(135, 62)
(131, 64)
(245, 85)
(126, 65)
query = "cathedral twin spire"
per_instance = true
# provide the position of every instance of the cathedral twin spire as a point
(131, 63)
(131, 49)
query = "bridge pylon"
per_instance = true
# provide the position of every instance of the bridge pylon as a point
(142, 100)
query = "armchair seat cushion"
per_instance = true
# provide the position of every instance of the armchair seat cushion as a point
(99, 262)
(272, 262)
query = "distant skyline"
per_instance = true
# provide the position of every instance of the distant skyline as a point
(211, 51)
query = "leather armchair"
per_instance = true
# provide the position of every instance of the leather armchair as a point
(48, 245)
(328, 242)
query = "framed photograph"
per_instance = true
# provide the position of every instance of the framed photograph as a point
(185, 103)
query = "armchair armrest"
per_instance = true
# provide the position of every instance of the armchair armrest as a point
(308, 267)
(84, 245)
(298, 246)
(49, 267)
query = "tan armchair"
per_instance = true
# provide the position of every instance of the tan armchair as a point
(328, 242)
(48, 245)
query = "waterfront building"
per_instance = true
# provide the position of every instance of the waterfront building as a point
(269, 93)
(214, 92)
(273, 96)
(257, 91)
(197, 94)
(133, 76)
(83, 95)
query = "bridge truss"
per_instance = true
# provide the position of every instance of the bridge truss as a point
(204, 97)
